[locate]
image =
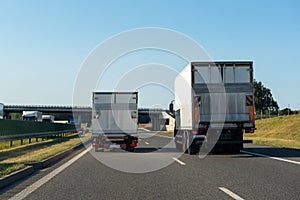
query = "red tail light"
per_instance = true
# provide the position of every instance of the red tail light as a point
(197, 105)
(133, 145)
(249, 131)
(122, 145)
(251, 113)
(199, 132)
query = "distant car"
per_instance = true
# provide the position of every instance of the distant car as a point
(1, 110)
(48, 118)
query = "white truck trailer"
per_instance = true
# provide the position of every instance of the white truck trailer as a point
(214, 104)
(114, 120)
(48, 118)
(1, 110)
(32, 116)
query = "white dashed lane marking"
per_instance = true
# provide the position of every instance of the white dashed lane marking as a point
(231, 194)
(179, 161)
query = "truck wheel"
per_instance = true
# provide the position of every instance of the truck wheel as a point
(184, 143)
(188, 146)
(175, 130)
(236, 149)
(178, 146)
(193, 149)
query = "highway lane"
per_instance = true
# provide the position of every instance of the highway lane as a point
(246, 176)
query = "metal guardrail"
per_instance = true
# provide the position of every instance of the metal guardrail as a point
(46, 106)
(5, 138)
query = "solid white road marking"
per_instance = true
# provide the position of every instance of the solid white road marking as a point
(158, 135)
(164, 136)
(233, 195)
(179, 161)
(146, 142)
(143, 129)
(24, 193)
(266, 156)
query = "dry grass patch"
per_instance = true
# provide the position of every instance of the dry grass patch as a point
(283, 132)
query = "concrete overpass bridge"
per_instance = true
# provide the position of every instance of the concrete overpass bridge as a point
(46, 109)
(80, 113)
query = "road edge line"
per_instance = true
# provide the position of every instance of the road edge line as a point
(30, 168)
(160, 135)
(271, 157)
(28, 190)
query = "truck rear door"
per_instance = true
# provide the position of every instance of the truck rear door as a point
(115, 113)
(223, 92)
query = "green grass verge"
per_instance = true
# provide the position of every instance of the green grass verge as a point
(15, 158)
(283, 132)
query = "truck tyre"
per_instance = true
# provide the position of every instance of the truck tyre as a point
(189, 146)
(193, 149)
(236, 149)
(184, 142)
(175, 130)
(178, 146)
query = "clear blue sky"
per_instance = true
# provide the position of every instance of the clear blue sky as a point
(43, 43)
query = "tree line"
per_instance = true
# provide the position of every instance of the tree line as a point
(265, 103)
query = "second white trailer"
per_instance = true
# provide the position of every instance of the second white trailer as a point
(114, 119)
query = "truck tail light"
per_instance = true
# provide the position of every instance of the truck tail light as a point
(251, 113)
(133, 145)
(249, 131)
(196, 114)
(123, 145)
(198, 132)
(197, 105)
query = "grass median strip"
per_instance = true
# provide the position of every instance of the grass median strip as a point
(282, 132)
(15, 158)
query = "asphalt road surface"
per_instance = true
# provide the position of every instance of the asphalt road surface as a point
(157, 171)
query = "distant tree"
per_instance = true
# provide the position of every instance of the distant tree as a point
(288, 111)
(15, 116)
(263, 98)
